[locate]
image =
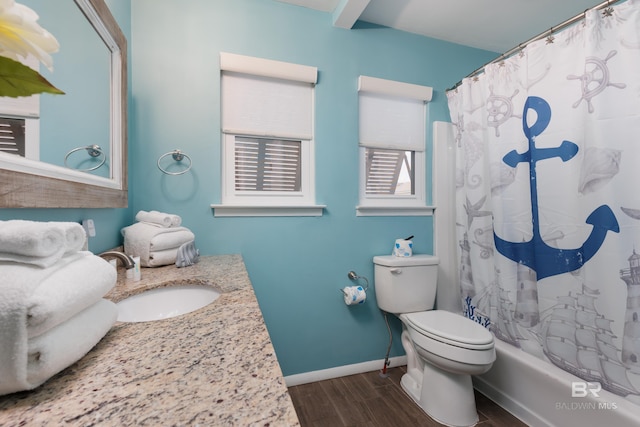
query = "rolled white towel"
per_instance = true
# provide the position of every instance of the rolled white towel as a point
(25, 240)
(39, 243)
(75, 236)
(159, 218)
(67, 343)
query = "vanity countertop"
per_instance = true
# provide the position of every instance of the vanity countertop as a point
(213, 367)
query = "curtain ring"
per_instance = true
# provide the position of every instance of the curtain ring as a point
(178, 156)
(93, 151)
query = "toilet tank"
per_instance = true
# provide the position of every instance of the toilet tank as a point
(405, 284)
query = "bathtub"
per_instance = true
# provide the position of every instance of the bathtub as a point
(539, 393)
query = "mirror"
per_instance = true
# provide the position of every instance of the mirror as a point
(91, 70)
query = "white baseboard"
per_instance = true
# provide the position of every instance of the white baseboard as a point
(342, 371)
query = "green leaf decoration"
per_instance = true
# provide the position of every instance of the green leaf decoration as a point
(17, 79)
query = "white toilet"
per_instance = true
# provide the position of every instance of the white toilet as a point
(443, 348)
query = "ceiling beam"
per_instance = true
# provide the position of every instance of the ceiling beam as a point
(347, 12)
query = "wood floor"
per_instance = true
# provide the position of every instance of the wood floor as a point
(370, 400)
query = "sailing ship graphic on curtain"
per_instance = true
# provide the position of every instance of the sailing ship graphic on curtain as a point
(572, 334)
(579, 340)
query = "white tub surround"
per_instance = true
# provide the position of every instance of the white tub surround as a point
(539, 393)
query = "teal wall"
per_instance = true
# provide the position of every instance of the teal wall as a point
(297, 265)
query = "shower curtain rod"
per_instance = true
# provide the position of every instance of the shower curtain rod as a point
(547, 33)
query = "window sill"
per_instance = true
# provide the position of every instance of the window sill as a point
(394, 210)
(241, 210)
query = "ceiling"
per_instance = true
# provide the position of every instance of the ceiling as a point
(494, 25)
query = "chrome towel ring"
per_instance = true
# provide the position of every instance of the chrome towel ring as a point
(178, 156)
(94, 151)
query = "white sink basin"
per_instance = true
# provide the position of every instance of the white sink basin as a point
(163, 303)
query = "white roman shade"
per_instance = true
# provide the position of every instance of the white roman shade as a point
(392, 114)
(266, 98)
(268, 68)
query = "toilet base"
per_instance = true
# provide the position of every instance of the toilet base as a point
(447, 398)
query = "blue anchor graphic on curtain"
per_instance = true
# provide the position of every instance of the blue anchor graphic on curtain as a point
(546, 260)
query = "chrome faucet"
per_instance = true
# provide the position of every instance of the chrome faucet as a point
(127, 261)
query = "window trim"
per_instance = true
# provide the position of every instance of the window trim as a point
(275, 203)
(366, 210)
(221, 210)
(392, 205)
(232, 197)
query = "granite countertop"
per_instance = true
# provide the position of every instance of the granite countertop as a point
(215, 366)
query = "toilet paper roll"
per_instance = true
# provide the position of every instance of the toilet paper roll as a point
(354, 295)
(403, 248)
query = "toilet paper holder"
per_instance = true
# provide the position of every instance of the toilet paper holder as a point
(353, 276)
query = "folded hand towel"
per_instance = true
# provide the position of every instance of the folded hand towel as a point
(65, 344)
(68, 291)
(39, 243)
(141, 239)
(164, 257)
(20, 282)
(165, 241)
(170, 256)
(159, 218)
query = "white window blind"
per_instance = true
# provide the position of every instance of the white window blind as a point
(262, 106)
(268, 68)
(267, 98)
(392, 114)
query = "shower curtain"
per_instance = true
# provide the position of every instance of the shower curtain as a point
(548, 198)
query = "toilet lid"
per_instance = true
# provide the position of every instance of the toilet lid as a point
(451, 328)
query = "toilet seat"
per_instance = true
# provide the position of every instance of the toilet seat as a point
(450, 328)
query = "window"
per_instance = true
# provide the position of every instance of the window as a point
(263, 164)
(20, 122)
(267, 142)
(392, 123)
(268, 173)
(390, 172)
(12, 136)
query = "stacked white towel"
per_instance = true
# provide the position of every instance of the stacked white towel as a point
(39, 243)
(159, 218)
(155, 242)
(51, 316)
